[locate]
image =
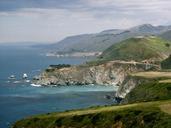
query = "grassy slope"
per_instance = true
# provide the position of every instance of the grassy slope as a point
(130, 116)
(149, 92)
(166, 64)
(137, 49)
(158, 89)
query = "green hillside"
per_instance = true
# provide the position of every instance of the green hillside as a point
(141, 115)
(166, 64)
(139, 48)
(149, 92)
(159, 87)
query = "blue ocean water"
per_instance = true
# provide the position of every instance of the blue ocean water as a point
(18, 100)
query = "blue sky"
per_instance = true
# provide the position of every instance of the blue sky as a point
(52, 20)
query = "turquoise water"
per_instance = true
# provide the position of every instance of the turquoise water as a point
(18, 100)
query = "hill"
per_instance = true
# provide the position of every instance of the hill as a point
(137, 115)
(166, 64)
(101, 41)
(166, 35)
(138, 49)
(149, 92)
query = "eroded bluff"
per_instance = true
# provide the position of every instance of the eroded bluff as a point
(110, 73)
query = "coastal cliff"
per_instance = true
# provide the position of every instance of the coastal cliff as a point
(110, 73)
(129, 83)
(113, 66)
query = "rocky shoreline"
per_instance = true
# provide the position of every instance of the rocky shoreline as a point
(110, 73)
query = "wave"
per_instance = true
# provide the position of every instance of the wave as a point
(36, 85)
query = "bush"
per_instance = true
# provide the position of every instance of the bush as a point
(58, 66)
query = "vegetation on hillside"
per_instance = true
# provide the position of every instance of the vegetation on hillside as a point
(58, 66)
(149, 92)
(166, 64)
(159, 87)
(140, 48)
(145, 115)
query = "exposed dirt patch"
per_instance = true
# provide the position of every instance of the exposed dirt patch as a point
(166, 108)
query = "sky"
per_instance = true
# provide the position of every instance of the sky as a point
(47, 21)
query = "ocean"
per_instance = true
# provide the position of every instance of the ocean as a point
(19, 99)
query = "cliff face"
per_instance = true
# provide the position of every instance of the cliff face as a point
(128, 84)
(110, 73)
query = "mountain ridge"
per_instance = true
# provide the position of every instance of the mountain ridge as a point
(166, 35)
(102, 40)
(138, 49)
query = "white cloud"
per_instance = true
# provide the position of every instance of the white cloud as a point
(52, 24)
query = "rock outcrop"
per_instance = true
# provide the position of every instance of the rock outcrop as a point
(128, 84)
(110, 73)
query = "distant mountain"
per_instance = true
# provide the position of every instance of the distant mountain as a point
(166, 35)
(101, 41)
(138, 48)
(150, 29)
